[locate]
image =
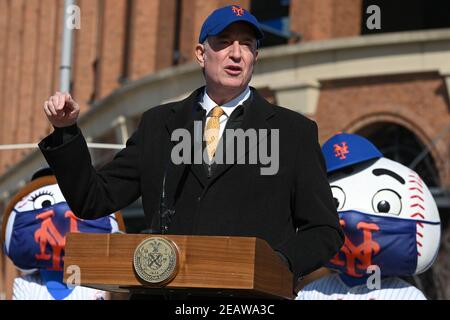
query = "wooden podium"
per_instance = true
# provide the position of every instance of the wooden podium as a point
(207, 266)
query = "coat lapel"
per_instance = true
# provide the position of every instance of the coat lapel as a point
(183, 116)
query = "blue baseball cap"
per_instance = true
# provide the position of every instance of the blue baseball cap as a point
(221, 18)
(345, 149)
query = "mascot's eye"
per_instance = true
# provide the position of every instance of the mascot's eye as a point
(338, 196)
(43, 200)
(387, 201)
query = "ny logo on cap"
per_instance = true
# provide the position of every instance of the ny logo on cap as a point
(341, 150)
(238, 11)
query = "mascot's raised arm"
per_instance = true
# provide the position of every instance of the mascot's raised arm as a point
(34, 230)
(390, 220)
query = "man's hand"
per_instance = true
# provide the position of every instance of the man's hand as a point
(61, 110)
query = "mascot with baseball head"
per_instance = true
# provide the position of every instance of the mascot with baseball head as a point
(34, 230)
(390, 220)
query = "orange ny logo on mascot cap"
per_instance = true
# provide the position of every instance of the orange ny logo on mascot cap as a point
(340, 150)
(238, 11)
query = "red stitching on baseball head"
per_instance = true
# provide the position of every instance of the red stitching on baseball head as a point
(417, 205)
(418, 214)
(417, 189)
(417, 197)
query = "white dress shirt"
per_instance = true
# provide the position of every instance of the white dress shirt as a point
(208, 104)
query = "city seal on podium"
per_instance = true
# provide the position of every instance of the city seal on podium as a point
(155, 260)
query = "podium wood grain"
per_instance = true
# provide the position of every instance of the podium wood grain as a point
(234, 264)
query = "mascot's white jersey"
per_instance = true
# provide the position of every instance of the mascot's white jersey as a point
(31, 287)
(333, 288)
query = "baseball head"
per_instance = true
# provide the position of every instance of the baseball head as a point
(387, 212)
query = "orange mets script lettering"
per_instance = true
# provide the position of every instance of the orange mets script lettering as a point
(49, 234)
(360, 256)
(341, 150)
(238, 11)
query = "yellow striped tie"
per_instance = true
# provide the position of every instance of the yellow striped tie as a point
(212, 131)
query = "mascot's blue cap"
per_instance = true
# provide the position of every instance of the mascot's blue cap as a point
(345, 149)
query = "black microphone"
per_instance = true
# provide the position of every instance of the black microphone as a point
(165, 212)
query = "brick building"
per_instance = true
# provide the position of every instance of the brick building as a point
(320, 57)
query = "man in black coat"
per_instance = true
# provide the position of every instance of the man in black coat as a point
(290, 205)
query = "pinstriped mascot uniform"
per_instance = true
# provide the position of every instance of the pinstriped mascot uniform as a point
(390, 220)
